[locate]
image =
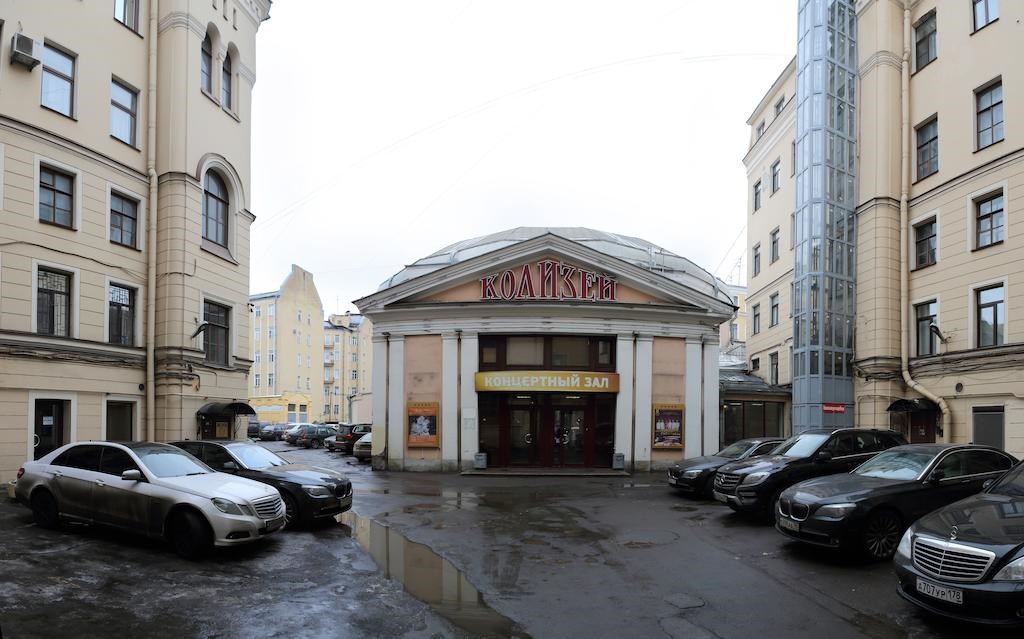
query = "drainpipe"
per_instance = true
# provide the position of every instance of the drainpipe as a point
(151, 236)
(905, 231)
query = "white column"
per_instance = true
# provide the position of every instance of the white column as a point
(396, 403)
(379, 396)
(470, 435)
(710, 406)
(449, 402)
(624, 401)
(692, 429)
(644, 433)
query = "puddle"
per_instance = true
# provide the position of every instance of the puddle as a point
(430, 578)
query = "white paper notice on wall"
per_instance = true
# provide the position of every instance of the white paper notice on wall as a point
(47, 420)
(468, 423)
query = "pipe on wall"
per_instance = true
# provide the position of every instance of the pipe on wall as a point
(151, 236)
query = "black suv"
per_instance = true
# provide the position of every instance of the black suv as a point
(754, 485)
(314, 436)
(348, 435)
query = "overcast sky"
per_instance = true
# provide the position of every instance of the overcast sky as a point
(384, 130)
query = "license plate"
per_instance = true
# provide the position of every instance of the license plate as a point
(789, 524)
(274, 524)
(672, 480)
(952, 595)
(722, 498)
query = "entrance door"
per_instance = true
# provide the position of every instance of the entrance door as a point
(49, 428)
(569, 436)
(524, 444)
(922, 427)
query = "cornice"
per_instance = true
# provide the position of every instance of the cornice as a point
(997, 358)
(879, 58)
(759, 151)
(43, 349)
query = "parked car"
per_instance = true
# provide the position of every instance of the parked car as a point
(272, 432)
(754, 485)
(868, 509)
(361, 450)
(309, 492)
(966, 560)
(696, 476)
(153, 489)
(314, 436)
(347, 436)
(292, 433)
(253, 431)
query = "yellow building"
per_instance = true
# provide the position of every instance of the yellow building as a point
(124, 247)
(342, 359)
(287, 374)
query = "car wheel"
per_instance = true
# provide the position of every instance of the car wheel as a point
(773, 506)
(882, 532)
(316, 443)
(707, 491)
(190, 535)
(44, 509)
(291, 511)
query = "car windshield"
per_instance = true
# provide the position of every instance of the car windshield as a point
(1011, 484)
(895, 464)
(256, 457)
(734, 451)
(168, 461)
(800, 445)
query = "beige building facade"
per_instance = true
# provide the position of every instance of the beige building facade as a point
(124, 247)
(287, 375)
(346, 353)
(939, 348)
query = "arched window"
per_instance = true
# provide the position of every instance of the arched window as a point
(206, 65)
(225, 83)
(215, 210)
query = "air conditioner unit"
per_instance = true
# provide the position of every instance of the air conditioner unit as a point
(25, 51)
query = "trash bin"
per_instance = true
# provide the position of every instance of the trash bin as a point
(480, 461)
(618, 461)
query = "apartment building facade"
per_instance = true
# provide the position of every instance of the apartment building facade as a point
(124, 250)
(287, 375)
(933, 161)
(343, 355)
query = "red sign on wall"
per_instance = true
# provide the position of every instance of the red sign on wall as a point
(833, 408)
(549, 280)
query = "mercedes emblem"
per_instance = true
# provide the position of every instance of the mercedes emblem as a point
(953, 533)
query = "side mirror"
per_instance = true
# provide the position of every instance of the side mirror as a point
(937, 476)
(132, 475)
(230, 466)
(823, 456)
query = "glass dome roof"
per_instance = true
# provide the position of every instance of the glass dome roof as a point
(629, 249)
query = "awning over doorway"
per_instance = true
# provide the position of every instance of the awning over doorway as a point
(221, 408)
(920, 404)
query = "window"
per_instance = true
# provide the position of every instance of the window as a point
(773, 368)
(926, 243)
(298, 361)
(990, 315)
(773, 317)
(215, 210)
(733, 331)
(120, 428)
(757, 195)
(124, 218)
(989, 221)
(270, 380)
(300, 314)
(776, 176)
(123, 103)
(53, 303)
(270, 356)
(215, 337)
(256, 309)
(774, 251)
(206, 65)
(757, 259)
(780, 105)
(56, 197)
(355, 375)
(257, 357)
(985, 12)
(127, 13)
(924, 41)
(792, 158)
(307, 383)
(755, 364)
(58, 81)
(989, 426)
(990, 115)
(928, 148)
(121, 315)
(760, 129)
(256, 334)
(757, 319)
(925, 315)
(270, 332)
(225, 83)
(256, 381)
(270, 309)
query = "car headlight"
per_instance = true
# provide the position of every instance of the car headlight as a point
(903, 549)
(227, 507)
(317, 491)
(1013, 571)
(835, 511)
(755, 478)
(692, 474)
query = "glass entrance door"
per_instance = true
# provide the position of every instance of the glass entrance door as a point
(569, 441)
(49, 427)
(524, 443)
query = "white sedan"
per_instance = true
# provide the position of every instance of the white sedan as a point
(157, 490)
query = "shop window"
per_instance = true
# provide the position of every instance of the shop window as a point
(119, 421)
(573, 352)
(525, 351)
(989, 426)
(743, 420)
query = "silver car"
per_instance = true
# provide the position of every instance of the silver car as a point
(158, 490)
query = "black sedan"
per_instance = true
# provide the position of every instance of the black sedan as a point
(868, 509)
(309, 492)
(966, 561)
(695, 476)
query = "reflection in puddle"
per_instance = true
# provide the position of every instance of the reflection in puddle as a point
(430, 578)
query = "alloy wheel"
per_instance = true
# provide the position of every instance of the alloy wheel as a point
(881, 534)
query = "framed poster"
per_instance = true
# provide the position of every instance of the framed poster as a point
(423, 425)
(668, 426)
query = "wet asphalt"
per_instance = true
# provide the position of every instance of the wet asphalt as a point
(432, 555)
